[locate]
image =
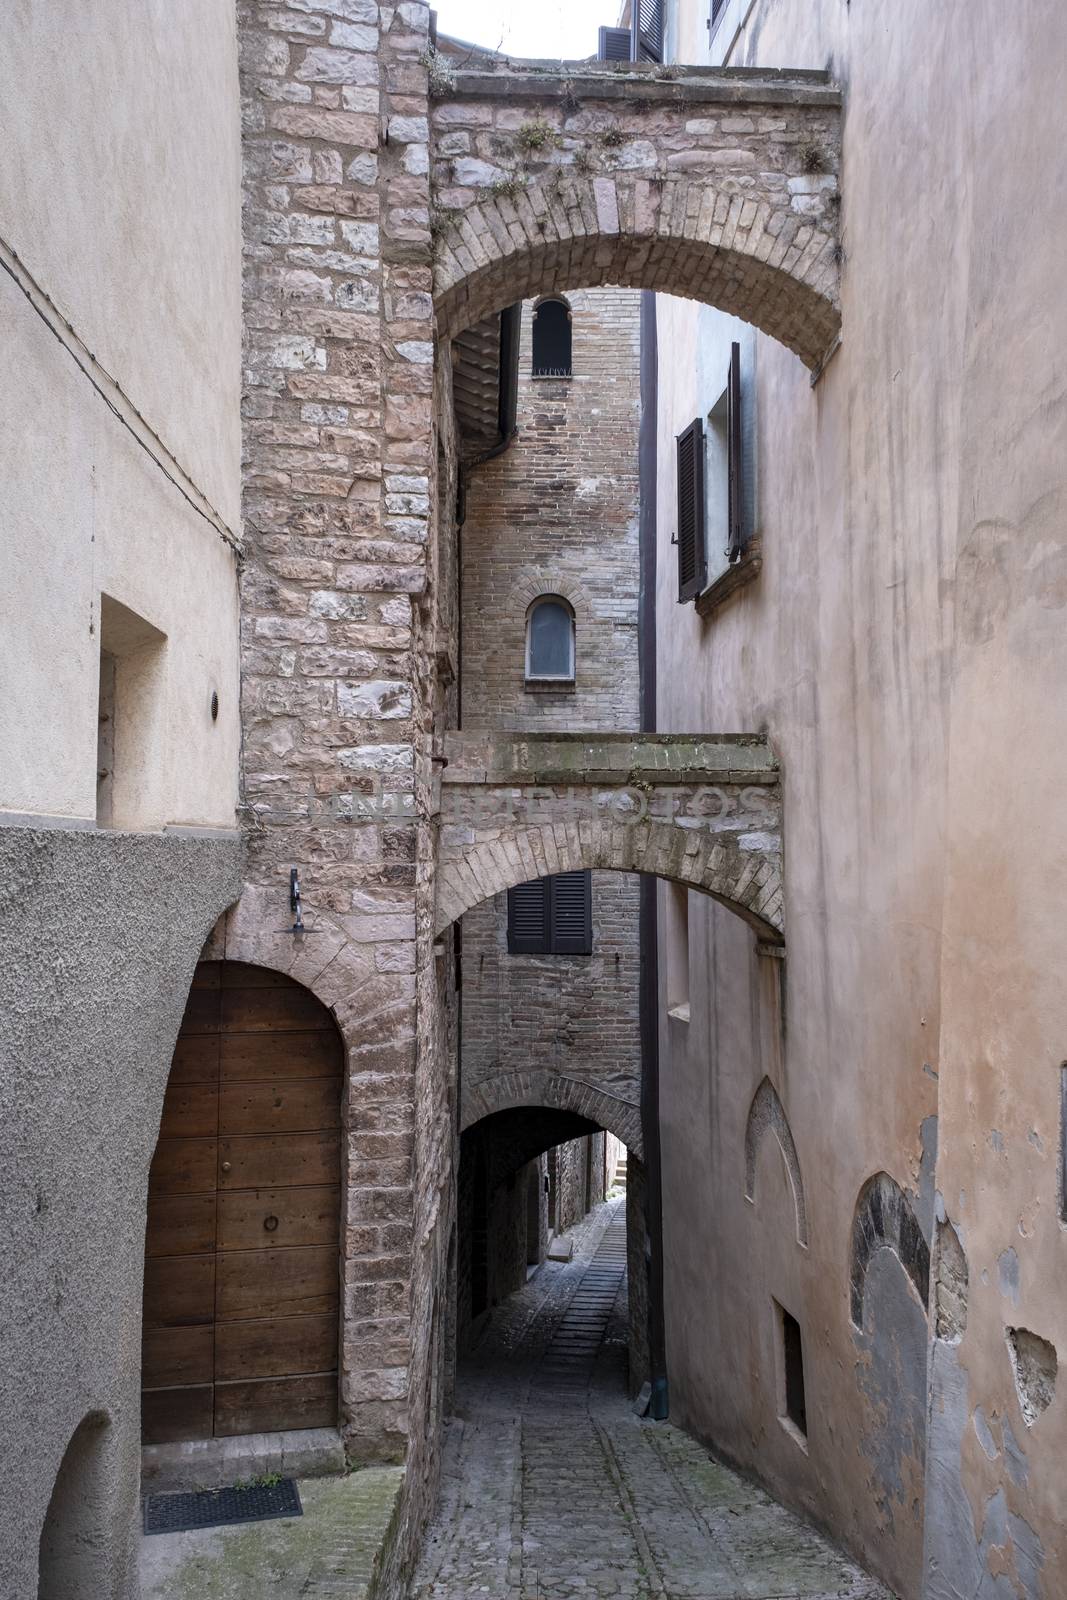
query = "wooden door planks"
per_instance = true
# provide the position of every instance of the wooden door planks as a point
(242, 1241)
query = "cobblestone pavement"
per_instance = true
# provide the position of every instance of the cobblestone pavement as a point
(553, 1490)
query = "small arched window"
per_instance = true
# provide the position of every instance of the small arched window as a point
(550, 641)
(552, 340)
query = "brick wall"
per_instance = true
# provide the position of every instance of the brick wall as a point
(557, 513)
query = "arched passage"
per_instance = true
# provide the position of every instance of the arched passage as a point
(75, 1560)
(508, 1091)
(242, 1241)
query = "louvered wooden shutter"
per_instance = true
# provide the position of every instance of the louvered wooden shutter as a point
(551, 916)
(528, 918)
(572, 913)
(735, 511)
(616, 44)
(692, 555)
(647, 30)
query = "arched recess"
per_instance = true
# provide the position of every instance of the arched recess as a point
(241, 1287)
(515, 1090)
(766, 1114)
(778, 271)
(742, 871)
(885, 1219)
(75, 1560)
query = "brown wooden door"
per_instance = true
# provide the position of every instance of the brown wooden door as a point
(244, 1206)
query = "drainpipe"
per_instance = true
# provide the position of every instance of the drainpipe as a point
(648, 991)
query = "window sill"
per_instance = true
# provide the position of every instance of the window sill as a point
(734, 578)
(549, 685)
(679, 1013)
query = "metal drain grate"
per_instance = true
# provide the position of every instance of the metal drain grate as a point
(218, 1508)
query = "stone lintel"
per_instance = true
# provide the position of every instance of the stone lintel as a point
(762, 89)
(607, 758)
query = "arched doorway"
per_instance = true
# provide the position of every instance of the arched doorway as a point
(242, 1244)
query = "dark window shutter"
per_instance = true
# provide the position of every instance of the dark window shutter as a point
(528, 918)
(735, 512)
(647, 30)
(615, 45)
(551, 916)
(572, 913)
(692, 556)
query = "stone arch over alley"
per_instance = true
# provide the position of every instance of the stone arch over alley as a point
(720, 187)
(704, 812)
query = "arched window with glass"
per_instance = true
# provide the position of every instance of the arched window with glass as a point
(550, 641)
(552, 340)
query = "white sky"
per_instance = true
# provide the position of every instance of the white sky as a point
(566, 28)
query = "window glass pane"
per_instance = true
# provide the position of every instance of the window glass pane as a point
(550, 653)
(552, 340)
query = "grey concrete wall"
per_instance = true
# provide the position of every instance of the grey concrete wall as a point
(903, 646)
(103, 934)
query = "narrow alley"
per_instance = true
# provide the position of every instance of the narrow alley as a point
(553, 1488)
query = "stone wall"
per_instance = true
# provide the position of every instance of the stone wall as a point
(339, 626)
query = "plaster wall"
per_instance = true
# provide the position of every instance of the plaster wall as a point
(126, 215)
(901, 648)
(120, 193)
(97, 969)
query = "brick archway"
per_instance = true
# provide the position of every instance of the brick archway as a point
(720, 187)
(551, 1091)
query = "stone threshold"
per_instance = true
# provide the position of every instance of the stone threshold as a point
(345, 1544)
(215, 1463)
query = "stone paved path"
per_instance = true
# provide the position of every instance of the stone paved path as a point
(553, 1490)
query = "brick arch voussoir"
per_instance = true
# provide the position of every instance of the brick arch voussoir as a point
(532, 583)
(779, 271)
(747, 884)
(511, 1090)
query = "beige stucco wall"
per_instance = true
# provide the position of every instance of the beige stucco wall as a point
(904, 649)
(120, 197)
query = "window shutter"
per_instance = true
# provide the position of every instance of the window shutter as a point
(735, 512)
(528, 918)
(615, 44)
(572, 913)
(647, 30)
(692, 556)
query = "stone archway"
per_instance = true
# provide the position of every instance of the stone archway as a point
(374, 1012)
(715, 186)
(703, 811)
